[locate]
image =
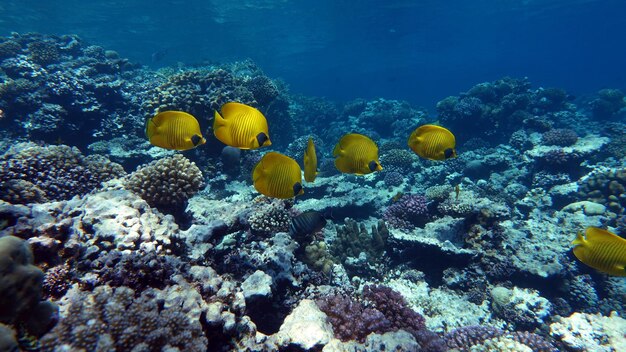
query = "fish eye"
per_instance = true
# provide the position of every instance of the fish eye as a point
(449, 153)
(195, 139)
(261, 138)
(373, 165)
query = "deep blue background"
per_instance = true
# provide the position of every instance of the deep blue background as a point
(421, 51)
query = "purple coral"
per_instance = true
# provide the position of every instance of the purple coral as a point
(381, 310)
(395, 308)
(409, 211)
(350, 319)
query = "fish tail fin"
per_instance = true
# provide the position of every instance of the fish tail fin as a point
(580, 240)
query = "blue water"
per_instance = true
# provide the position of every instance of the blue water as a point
(420, 51)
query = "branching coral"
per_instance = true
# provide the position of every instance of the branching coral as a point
(354, 239)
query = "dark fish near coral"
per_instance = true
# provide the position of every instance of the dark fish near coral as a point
(230, 157)
(307, 223)
(356, 154)
(310, 162)
(241, 126)
(176, 130)
(277, 176)
(601, 250)
(433, 142)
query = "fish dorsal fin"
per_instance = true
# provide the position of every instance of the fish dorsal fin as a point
(273, 157)
(430, 128)
(233, 108)
(219, 120)
(338, 151)
(596, 234)
(162, 117)
(352, 138)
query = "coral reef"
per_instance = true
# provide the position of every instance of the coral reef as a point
(410, 211)
(607, 187)
(166, 183)
(608, 103)
(471, 253)
(359, 250)
(562, 137)
(269, 216)
(35, 174)
(21, 290)
(57, 84)
(496, 109)
(589, 332)
(380, 310)
(487, 338)
(114, 319)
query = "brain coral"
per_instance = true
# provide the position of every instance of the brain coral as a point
(166, 183)
(32, 173)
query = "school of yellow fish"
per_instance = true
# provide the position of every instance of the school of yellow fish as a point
(279, 176)
(276, 175)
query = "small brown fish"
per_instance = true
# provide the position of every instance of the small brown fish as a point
(396, 197)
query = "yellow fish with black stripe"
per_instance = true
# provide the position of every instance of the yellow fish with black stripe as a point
(356, 154)
(310, 162)
(176, 130)
(601, 250)
(278, 176)
(241, 126)
(433, 142)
